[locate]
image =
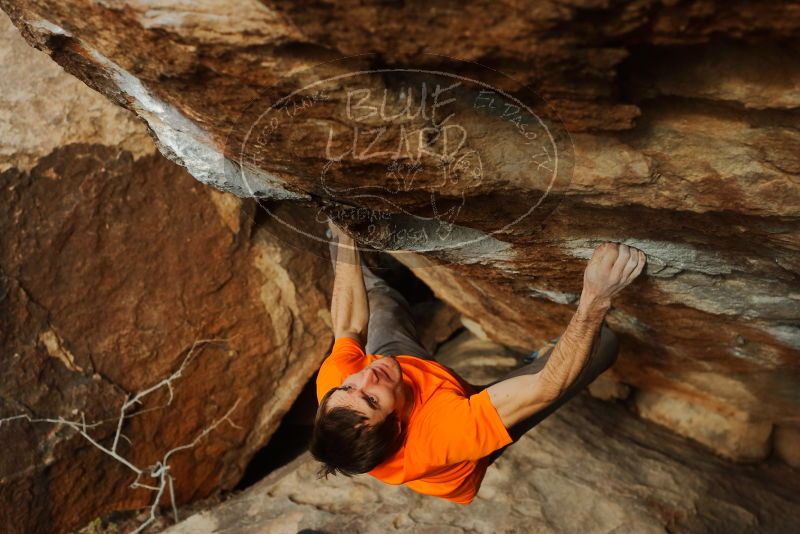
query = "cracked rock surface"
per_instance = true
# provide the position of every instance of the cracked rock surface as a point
(676, 125)
(113, 262)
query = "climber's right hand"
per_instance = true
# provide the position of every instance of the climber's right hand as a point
(611, 268)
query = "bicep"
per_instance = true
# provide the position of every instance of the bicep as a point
(519, 397)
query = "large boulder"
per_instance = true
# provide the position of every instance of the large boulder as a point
(114, 263)
(674, 126)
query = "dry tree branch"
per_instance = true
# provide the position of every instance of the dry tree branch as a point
(159, 470)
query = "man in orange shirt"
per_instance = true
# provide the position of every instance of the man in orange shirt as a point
(388, 409)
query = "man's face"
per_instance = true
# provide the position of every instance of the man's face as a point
(375, 391)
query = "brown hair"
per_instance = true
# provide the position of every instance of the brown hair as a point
(346, 444)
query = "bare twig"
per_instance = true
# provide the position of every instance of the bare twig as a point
(160, 471)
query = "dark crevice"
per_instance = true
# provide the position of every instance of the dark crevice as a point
(400, 277)
(289, 441)
(457, 332)
(639, 74)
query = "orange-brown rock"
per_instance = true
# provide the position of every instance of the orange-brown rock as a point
(678, 134)
(113, 262)
(112, 268)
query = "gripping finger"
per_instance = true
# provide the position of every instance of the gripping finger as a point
(641, 263)
(633, 262)
(624, 253)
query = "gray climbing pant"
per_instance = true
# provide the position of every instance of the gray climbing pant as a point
(391, 332)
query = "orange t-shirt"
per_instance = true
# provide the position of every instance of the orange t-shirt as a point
(450, 430)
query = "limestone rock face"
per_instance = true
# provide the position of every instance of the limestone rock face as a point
(113, 263)
(42, 109)
(672, 127)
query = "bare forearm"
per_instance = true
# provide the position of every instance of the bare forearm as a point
(574, 347)
(611, 267)
(521, 396)
(349, 304)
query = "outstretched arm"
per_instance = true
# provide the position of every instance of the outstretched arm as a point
(612, 267)
(349, 304)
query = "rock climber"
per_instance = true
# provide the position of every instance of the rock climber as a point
(388, 409)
